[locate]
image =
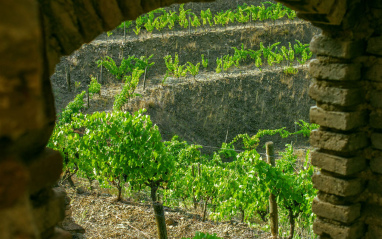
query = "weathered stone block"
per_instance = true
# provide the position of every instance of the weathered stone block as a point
(376, 99)
(17, 221)
(336, 164)
(336, 119)
(49, 214)
(354, 231)
(376, 165)
(45, 170)
(374, 46)
(334, 71)
(324, 45)
(335, 96)
(109, 12)
(337, 186)
(87, 16)
(345, 214)
(376, 140)
(373, 232)
(323, 13)
(375, 186)
(14, 181)
(375, 4)
(373, 214)
(333, 199)
(337, 141)
(374, 73)
(376, 119)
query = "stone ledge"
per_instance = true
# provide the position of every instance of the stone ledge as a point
(338, 142)
(335, 96)
(345, 214)
(336, 119)
(354, 231)
(376, 140)
(334, 71)
(324, 45)
(337, 186)
(45, 170)
(336, 164)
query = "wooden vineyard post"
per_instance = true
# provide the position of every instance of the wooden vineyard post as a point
(159, 214)
(273, 214)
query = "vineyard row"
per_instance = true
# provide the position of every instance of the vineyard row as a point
(160, 18)
(119, 147)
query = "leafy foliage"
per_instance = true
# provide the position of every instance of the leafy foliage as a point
(143, 62)
(94, 87)
(72, 108)
(204, 61)
(131, 83)
(125, 67)
(306, 128)
(193, 69)
(290, 70)
(160, 18)
(119, 146)
(111, 145)
(173, 67)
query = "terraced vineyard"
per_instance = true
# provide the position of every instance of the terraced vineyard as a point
(235, 72)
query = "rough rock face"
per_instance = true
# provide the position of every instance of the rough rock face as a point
(34, 34)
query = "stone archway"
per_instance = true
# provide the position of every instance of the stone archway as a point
(347, 87)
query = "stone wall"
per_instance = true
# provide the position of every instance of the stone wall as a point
(342, 139)
(346, 84)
